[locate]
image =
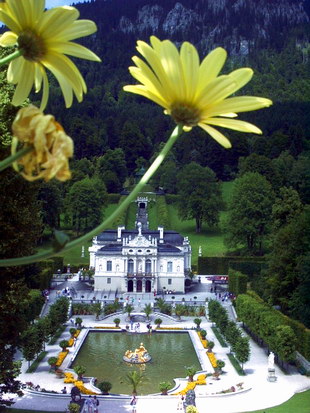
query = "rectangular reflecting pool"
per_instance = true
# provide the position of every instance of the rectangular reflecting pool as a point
(102, 355)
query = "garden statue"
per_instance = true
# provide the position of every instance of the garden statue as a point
(271, 361)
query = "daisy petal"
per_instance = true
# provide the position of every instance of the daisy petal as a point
(142, 90)
(234, 124)
(56, 20)
(210, 67)
(8, 39)
(74, 49)
(216, 135)
(190, 65)
(25, 83)
(238, 104)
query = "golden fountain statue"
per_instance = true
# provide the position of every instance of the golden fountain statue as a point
(139, 356)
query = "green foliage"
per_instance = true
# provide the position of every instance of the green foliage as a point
(105, 386)
(197, 321)
(84, 203)
(112, 308)
(135, 379)
(200, 195)
(64, 344)
(287, 281)
(116, 321)
(164, 307)
(249, 212)
(264, 321)
(220, 265)
(242, 349)
(164, 386)
(74, 408)
(52, 361)
(148, 309)
(96, 309)
(237, 282)
(112, 170)
(36, 363)
(236, 365)
(158, 321)
(190, 372)
(79, 370)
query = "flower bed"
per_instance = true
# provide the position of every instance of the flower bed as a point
(201, 379)
(61, 356)
(71, 342)
(77, 333)
(69, 378)
(170, 328)
(80, 385)
(212, 359)
(204, 342)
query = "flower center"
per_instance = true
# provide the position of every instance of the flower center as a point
(185, 115)
(32, 45)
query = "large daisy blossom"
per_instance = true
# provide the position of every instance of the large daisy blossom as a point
(44, 38)
(191, 92)
(51, 146)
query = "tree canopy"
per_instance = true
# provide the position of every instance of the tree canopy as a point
(200, 195)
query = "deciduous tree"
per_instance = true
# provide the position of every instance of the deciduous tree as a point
(200, 195)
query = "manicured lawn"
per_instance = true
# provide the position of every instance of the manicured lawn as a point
(210, 240)
(227, 190)
(299, 403)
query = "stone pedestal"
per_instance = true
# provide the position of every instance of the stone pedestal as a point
(272, 375)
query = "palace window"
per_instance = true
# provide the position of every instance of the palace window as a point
(109, 265)
(148, 267)
(169, 266)
(109, 280)
(169, 281)
(130, 266)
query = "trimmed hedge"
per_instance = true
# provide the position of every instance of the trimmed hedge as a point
(250, 266)
(265, 321)
(237, 282)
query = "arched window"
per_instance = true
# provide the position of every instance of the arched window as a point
(130, 266)
(148, 266)
(169, 266)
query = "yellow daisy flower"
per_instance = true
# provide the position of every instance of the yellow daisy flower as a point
(191, 92)
(51, 146)
(44, 38)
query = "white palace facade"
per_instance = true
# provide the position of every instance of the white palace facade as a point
(140, 260)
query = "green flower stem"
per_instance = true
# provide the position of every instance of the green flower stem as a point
(138, 188)
(10, 159)
(10, 57)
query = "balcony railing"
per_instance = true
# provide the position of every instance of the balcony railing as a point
(140, 275)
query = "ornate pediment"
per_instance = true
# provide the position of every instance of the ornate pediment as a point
(139, 241)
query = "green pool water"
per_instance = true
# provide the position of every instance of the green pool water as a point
(102, 355)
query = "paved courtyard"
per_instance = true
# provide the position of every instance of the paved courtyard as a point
(258, 394)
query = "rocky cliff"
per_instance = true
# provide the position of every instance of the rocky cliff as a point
(238, 25)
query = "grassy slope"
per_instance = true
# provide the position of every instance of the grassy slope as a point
(298, 404)
(210, 240)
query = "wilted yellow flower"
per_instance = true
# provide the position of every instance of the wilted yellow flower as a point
(193, 93)
(51, 146)
(44, 37)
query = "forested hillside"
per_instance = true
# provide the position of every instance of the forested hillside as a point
(116, 134)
